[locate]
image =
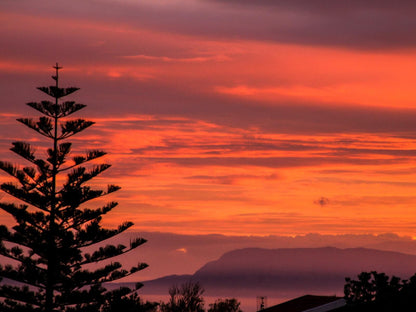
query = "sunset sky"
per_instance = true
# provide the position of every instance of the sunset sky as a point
(235, 117)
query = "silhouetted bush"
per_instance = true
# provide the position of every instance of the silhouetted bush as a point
(117, 301)
(225, 305)
(186, 298)
(377, 292)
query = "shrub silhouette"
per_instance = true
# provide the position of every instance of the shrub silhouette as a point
(374, 291)
(186, 298)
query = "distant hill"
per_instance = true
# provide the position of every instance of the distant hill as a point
(169, 253)
(281, 272)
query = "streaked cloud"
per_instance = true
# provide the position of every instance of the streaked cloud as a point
(196, 59)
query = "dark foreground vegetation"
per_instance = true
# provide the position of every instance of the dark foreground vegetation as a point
(45, 251)
(371, 292)
(374, 291)
(185, 298)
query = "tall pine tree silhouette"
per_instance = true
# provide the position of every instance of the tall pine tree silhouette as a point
(46, 248)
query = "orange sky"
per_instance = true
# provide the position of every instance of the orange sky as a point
(231, 117)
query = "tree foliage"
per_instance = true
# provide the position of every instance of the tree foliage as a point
(118, 301)
(185, 298)
(46, 247)
(225, 305)
(189, 298)
(374, 291)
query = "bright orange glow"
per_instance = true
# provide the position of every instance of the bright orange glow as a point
(213, 133)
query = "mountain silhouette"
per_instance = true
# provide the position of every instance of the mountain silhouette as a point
(283, 271)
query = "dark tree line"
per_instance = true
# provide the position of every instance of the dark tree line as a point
(374, 291)
(55, 220)
(187, 297)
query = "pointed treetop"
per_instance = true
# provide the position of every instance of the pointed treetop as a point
(57, 68)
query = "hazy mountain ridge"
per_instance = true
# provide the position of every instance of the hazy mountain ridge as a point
(288, 270)
(293, 259)
(169, 253)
